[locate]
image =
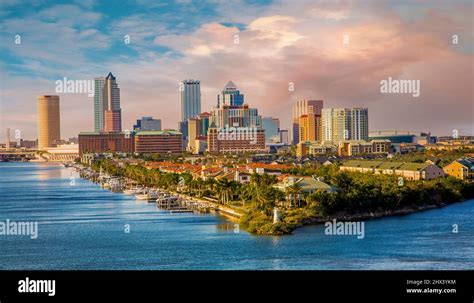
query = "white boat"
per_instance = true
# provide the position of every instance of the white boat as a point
(150, 196)
(133, 191)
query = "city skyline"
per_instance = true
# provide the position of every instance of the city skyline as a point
(384, 40)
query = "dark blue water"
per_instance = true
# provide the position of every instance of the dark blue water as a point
(81, 226)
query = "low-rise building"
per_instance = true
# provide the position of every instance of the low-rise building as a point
(161, 142)
(101, 142)
(409, 171)
(315, 148)
(360, 147)
(462, 168)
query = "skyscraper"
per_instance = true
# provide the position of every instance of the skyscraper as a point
(303, 107)
(340, 124)
(190, 99)
(231, 95)
(49, 130)
(113, 114)
(107, 112)
(100, 105)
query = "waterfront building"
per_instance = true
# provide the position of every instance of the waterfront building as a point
(304, 107)
(7, 140)
(409, 171)
(147, 123)
(462, 168)
(49, 124)
(102, 142)
(340, 124)
(62, 153)
(30, 144)
(161, 142)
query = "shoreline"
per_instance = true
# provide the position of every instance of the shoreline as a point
(234, 216)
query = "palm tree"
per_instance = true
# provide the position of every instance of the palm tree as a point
(293, 192)
(224, 190)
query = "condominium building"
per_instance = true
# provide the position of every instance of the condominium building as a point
(304, 107)
(340, 124)
(49, 124)
(310, 127)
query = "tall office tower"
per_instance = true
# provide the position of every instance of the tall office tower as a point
(100, 104)
(340, 124)
(272, 129)
(49, 129)
(190, 99)
(113, 113)
(7, 140)
(310, 127)
(231, 95)
(300, 108)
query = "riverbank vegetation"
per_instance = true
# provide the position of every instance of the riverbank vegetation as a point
(355, 195)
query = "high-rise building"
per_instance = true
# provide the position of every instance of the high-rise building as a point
(7, 140)
(190, 99)
(272, 129)
(231, 95)
(310, 127)
(113, 114)
(49, 124)
(107, 112)
(100, 104)
(235, 129)
(340, 124)
(303, 107)
(148, 123)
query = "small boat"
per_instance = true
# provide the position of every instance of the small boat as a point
(133, 191)
(151, 196)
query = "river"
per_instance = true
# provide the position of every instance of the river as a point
(82, 226)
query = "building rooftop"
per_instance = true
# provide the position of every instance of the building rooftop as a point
(157, 132)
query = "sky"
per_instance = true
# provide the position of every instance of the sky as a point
(338, 51)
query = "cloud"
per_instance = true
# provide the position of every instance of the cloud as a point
(298, 42)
